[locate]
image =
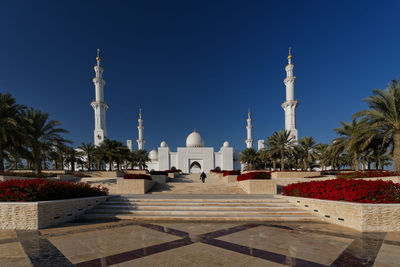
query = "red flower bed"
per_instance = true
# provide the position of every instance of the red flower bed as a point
(231, 173)
(254, 176)
(41, 190)
(137, 176)
(222, 171)
(348, 190)
(365, 174)
(158, 173)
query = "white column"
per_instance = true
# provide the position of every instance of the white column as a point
(249, 140)
(99, 106)
(140, 127)
(290, 105)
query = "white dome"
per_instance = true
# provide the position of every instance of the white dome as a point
(194, 140)
(153, 155)
(163, 144)
(226, 144)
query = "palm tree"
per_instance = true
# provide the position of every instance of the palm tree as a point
(110, 149)
(384, 114)
(142, 158)
(249, 156)
(352, 139)
(88, 150)
(307, 150)
(322, 151)
(122, 154)
(72, 156)
(10, 117)
(42, 133)
(282, 141)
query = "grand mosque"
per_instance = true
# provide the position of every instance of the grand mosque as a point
(195, 157)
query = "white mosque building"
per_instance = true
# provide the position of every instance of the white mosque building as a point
(195, 157)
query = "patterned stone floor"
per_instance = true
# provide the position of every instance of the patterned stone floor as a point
(126, 243)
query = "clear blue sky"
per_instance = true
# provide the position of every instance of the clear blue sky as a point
(198, 64)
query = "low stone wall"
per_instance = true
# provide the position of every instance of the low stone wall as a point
(68, 178)
(258, 186)
(160, 178)
(173, 174)
(230, 178)
(298, 174)
(134, 186)
(135, 171)
(287, 181)
(394, 179)
(42, 214)
(359, 216)
(7, 178)
(104, 174)
(21, 171)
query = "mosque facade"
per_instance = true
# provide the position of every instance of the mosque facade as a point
(195, 156)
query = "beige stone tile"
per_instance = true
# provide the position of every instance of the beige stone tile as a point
(261, 263)
(7, 234)
(12, 254)
(95, 244)
(304, 245)
(388, 256)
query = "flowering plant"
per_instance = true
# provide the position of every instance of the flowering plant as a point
(348, 190)
(366, 174)
(231, 173)
(254, 176)
(137, 176)
(41, 190)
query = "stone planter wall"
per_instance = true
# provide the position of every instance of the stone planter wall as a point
(135, 171)
(7, 178)
(134, 186)
(230, 178)
(160, 178)
(104, 174)
(42, 214)
(293, 174)
(359, 216)
(258, 186)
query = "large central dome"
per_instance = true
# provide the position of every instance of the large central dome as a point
(194, 140)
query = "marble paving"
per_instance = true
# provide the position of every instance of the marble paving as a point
(128, 243)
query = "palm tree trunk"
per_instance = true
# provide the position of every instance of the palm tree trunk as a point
(396, 150)
(282, 160)
(1, 158)
(274, 164)
(110, 163)
(356, 162)
(38, 165)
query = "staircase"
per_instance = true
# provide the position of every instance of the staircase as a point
(199, 208)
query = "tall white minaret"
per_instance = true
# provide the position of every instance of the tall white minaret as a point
(290, 104)
(140, 141)
(249, 140)
(99, 105)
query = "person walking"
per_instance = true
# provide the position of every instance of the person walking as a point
(203, 177)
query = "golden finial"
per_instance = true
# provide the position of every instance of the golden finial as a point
(248, 113)
(290, 55)
(98, 55)
(140, 113)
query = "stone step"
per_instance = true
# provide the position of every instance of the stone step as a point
(196, 200)
(200, 207)
(173, 212)
(193, 203)
(214, 218)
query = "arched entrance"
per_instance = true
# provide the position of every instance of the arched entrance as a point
(195, 167)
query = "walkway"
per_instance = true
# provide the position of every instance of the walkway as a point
(191, 184)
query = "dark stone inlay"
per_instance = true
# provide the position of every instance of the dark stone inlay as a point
(9, 240)
(392, 242)
(166, 230)
(41, 252)
(262, 254)
(135, 254)
(228, 231)
(362, 251)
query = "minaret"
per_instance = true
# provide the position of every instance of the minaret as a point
(140, 141)
(99, 105)
(249, 140)
(290, 104)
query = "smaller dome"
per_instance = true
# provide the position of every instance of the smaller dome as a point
(163, 144)
(226, 144)
(153, 155)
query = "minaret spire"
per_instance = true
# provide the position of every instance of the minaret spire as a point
(290, 104)
(249, 140)
(99, 106)
(140, 127)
